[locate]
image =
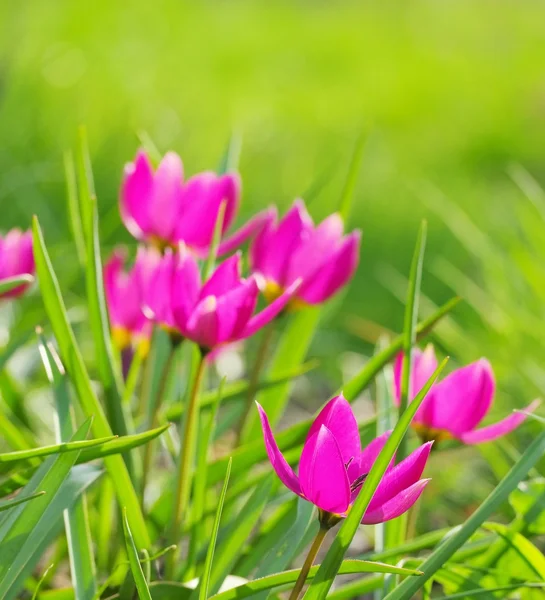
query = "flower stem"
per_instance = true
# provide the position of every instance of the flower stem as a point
(149, 447)
(311, 556)
(186, 460)
(261, 357)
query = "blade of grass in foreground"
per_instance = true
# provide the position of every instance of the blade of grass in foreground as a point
(73, 205)
(73, 362)
(323, 581)
(207, 572)
(11, 503)
(134, 561)
(497, 497)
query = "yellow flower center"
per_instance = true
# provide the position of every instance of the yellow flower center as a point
(121, 337)
(429, 434)
(273, 291)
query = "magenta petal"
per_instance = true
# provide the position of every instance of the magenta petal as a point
(278, 462)
(186, 286)
(261, 244)
(423, 366)
(136, 195)
(322, 473)
(158, 295)
(338, 417)
(368, 456)
(224, 278)
(401, 476)
(462, 399)
(234, 309)
(396, 506)
(492, 432)
(165, 207)
(335, 273)
(203, 324)
(269, 313)
(251, 228)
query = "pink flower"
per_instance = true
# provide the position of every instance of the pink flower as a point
(160, 207)
(454, 407)
(295, 249)
(16, 258)
(333, 467)
(125, 294)
(212, 314)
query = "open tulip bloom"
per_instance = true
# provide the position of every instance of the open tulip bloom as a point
(211, 314)
(333, 467)
(16, 259)
(294, 248)
(455, 406)
(125, 296)
(160, 208)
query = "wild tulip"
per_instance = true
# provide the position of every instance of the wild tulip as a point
(294, 248)
(125, 296)
(333, 467)
(160, 208)
(213, 313)
(455, 406)
(16, 258)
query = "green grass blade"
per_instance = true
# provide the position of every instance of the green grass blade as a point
(497, 497)
(216, 239)
(361, 380)
(347, 195)
(231, 156)
(11, 503)
(207, 572)
(73, 362)
(86, 183)
(290, 353)
(76, 518)
(134, 561)
(357, 588)
(409, 328)
(10, 283)
(23, 455)
(319, 588)
(74, 212)
(475, 593)
(347, 567)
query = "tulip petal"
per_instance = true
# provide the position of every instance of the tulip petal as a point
(363, 463)
(158, 295)
(166, 203)
(235, 308)
(335, 273)
(322, 473)
(423, 366)
(186, 285)
(396, 506)
(268, 313)
(224, 278)
(338, 417)
(261, 243)
(136, 195)
(251, 228)
(203, 324)
(492, 432)
(401, 476)
(462, 399)
(278, 462)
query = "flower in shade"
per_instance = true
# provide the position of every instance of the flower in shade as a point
(16, 259)
(159, 207)
(213, 313)
(125, 294)
(333, 467)
(455, 406)
(295, 248)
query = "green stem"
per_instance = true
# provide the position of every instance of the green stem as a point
(185, 462)
(261, 357)
(149, 447)
(311, 556)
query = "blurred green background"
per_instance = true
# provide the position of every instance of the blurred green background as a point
(450, 97)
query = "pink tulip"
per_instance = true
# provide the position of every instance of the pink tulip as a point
(160, 207)
(211, 314)
(16, 259)
(333, 467)
(295, 248)
(125, 294)
(454, 407)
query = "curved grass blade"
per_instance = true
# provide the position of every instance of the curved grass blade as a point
(231, 156)
(73, 206)
(320, 586)
(345, 203)
(134, 561)
(10, 283)
(357, 588)
(73, 362)
(497, 497)
(207, 572)
(11, 503)
(287, 577)
(484, 592)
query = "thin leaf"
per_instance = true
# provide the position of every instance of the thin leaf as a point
(231, 156)
(73, 206)
(319, 588)
(483, 592)
(497, 497)
(134, 561)
(73, 362)
(40, 582)
(11, 503)
(345, 203)
(216, 239)
(207, 572)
